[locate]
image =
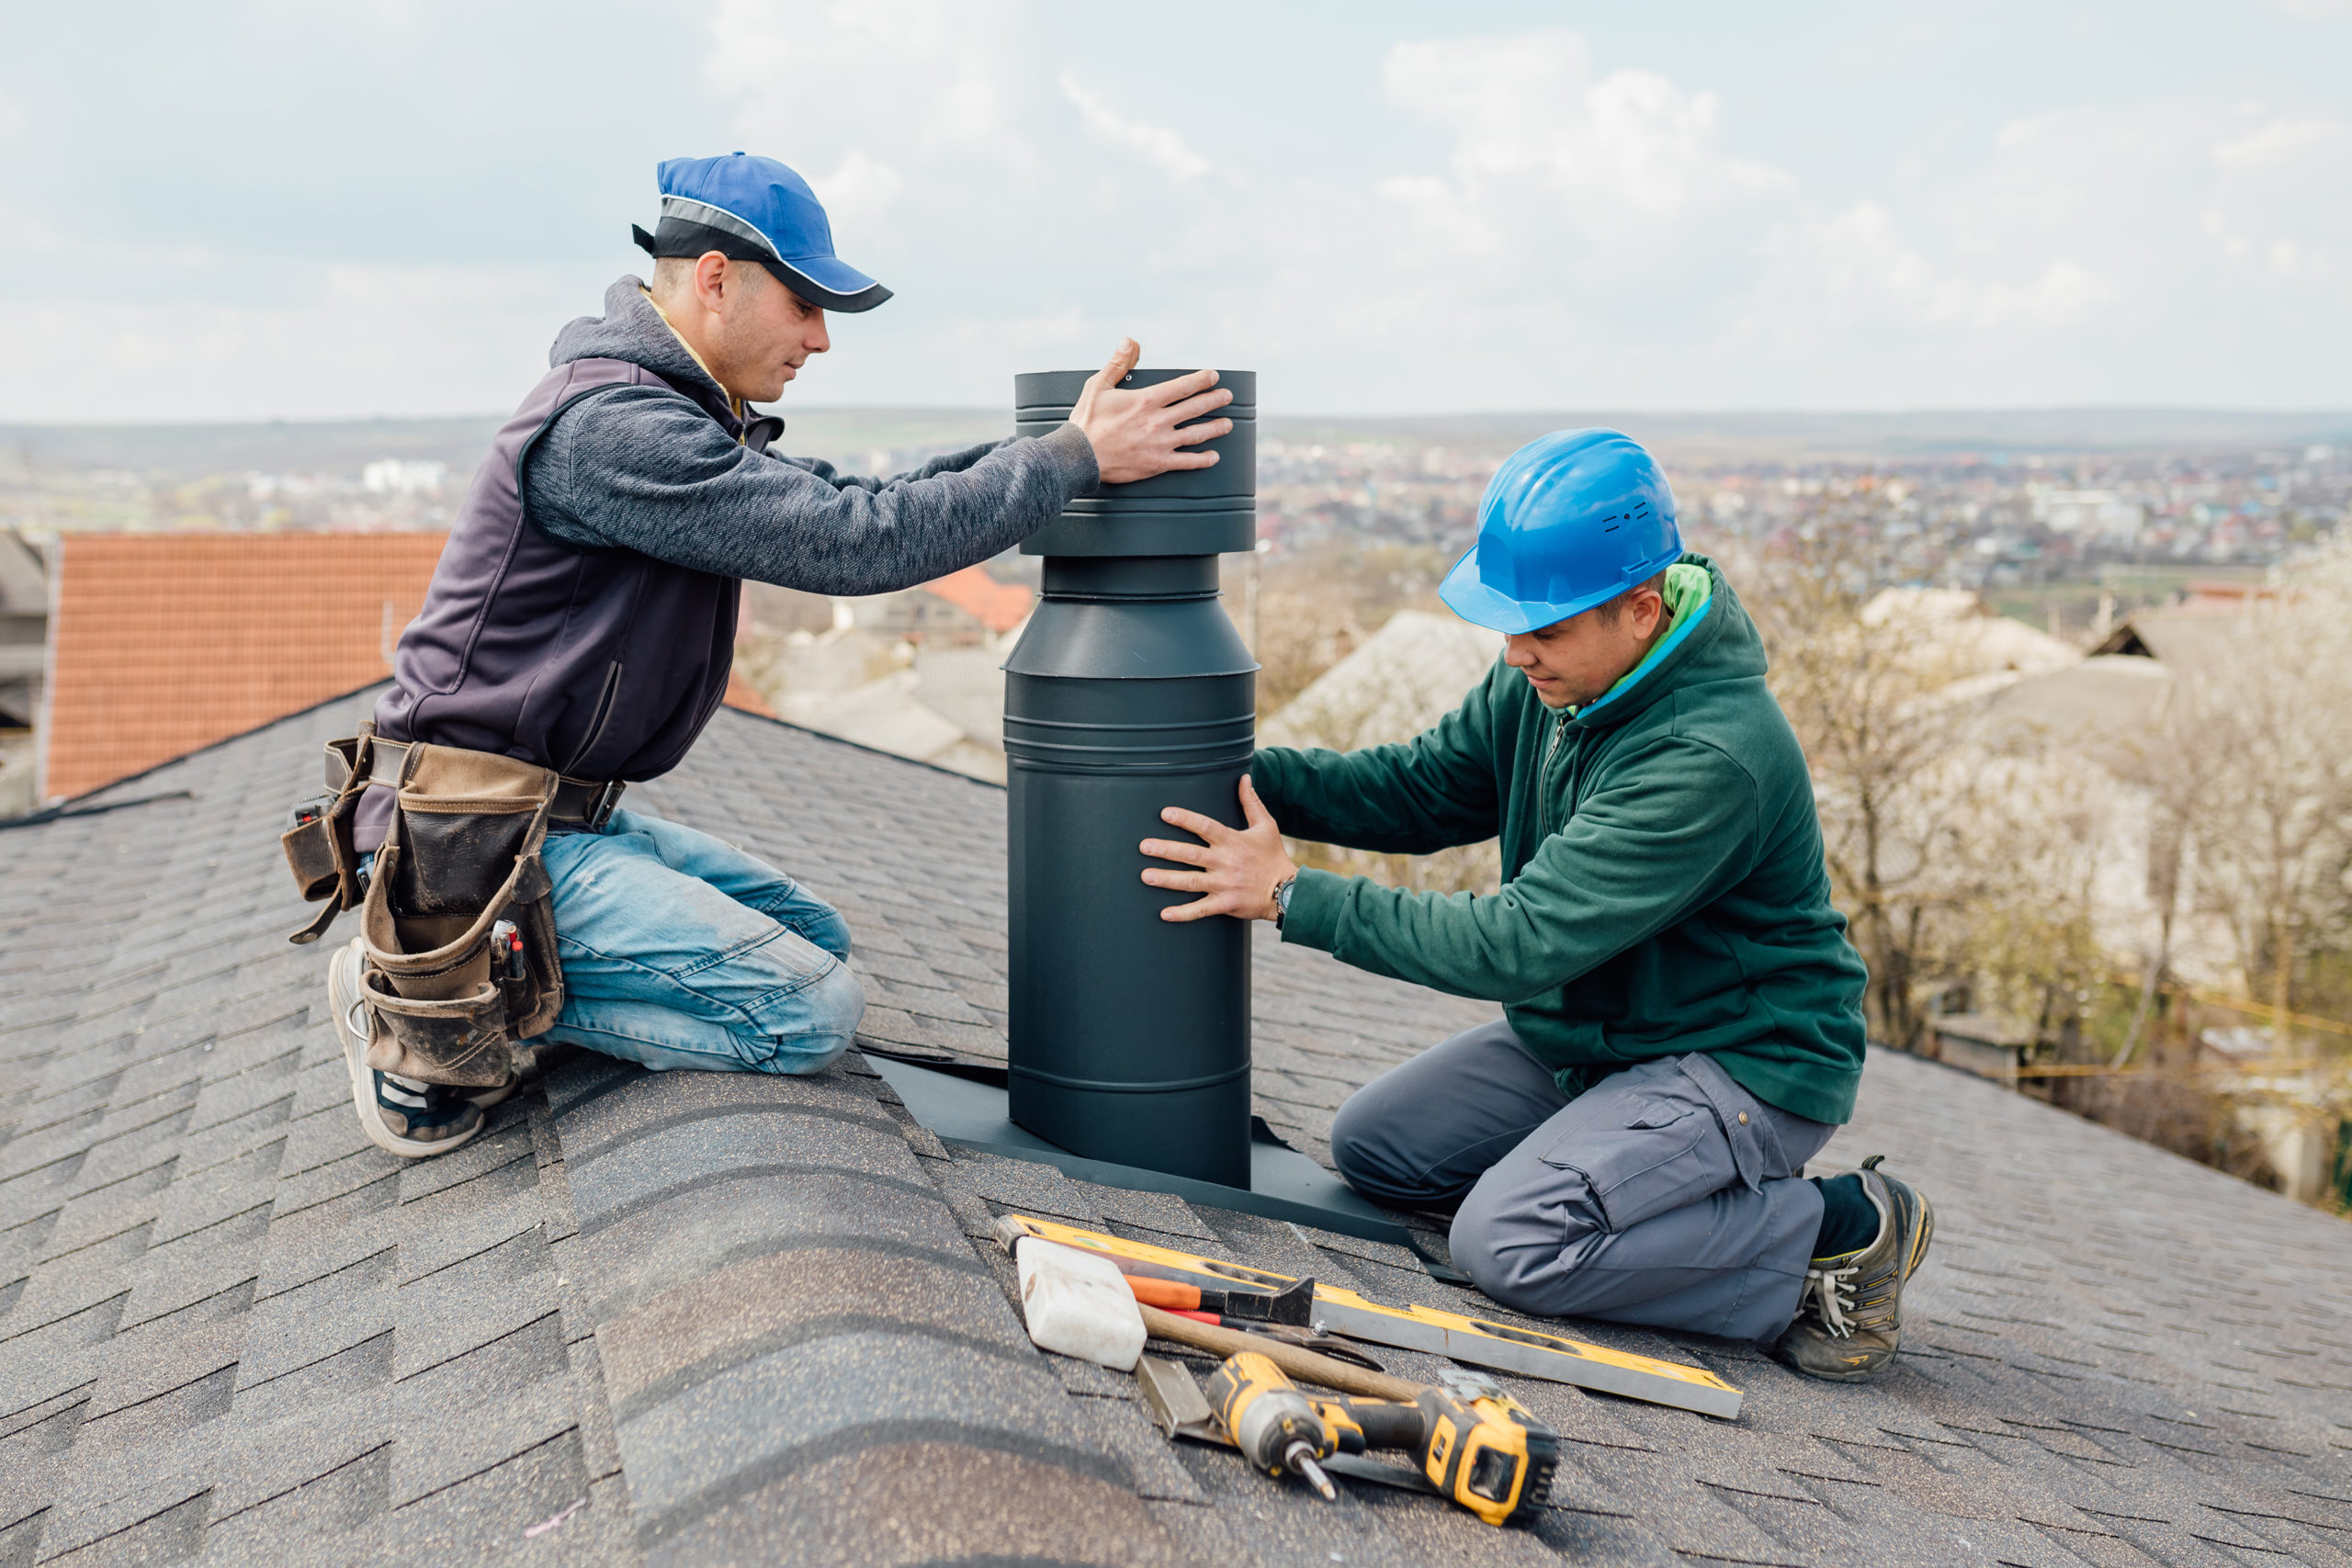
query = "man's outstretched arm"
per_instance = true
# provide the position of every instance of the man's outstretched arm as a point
(1635, 858)
(1632, 861)
(1436, 790)
(643, 468)
(944, 463)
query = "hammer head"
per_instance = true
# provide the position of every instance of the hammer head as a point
(1078, 1304)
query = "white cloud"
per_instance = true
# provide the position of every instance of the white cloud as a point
(2281, 202)
(859, 190)
(1156, 145)
(1470, 221)
(1855, 266)
(2160, 252)
(933, 74)
(359, 341)
(23, 230)
(1530, 126)
(1440, 227)
(2041, 240)
(2293, 146)
(1579, 235)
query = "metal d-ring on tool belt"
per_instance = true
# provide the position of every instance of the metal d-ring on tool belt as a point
(448, 988)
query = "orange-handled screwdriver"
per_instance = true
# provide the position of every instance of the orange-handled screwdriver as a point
(1291, 1307)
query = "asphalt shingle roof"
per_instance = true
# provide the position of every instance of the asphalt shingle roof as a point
(703, 1319)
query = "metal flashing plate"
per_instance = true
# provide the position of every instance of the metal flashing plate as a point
(965, 1107)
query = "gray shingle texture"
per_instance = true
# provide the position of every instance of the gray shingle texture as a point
(700, 1319)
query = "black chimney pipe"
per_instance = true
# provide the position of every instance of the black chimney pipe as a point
(1130, 692)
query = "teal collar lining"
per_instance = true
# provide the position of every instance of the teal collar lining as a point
(1651, 661)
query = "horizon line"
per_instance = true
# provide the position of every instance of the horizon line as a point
(984, 411)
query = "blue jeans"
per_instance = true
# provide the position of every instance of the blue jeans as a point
(680, 950)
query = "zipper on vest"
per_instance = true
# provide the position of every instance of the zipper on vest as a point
(605, 704)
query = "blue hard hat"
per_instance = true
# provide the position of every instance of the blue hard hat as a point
(1569, 521)
(757, 210)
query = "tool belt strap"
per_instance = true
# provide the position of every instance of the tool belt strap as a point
(589, 802)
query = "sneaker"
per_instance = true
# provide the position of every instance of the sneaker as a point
(400, 1116)
(1849, 1318)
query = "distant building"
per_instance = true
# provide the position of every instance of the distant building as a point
(915, 673)
(2103, 515)
(164, 643)
(23, 636)
(2098, 715)
(1411, 672)
(392, 475)
(1969, 640)
(2195, 635)
(1403, 678)
(1989, 1046)
(945, 708)
(167, 642)
(961, 609)
(997, 607)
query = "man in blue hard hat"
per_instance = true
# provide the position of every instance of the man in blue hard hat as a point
(1682, 1023)
(582, 623)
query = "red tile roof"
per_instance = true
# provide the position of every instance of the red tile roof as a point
(999, 606)
(168, 642)
(741, 693)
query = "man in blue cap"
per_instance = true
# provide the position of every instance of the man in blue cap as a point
(580, 624)
(1681, 1023)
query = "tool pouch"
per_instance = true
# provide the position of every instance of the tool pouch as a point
(462, 855)
(318, 841)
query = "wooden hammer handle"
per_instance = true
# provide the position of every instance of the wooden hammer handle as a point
(1304, 1365)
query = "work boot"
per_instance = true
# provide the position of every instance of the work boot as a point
(402, 1116)
(1850, 1319)
(529, 1066)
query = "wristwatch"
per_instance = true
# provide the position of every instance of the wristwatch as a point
(1283, 890)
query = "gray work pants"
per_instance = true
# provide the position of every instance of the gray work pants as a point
(1667, 1195)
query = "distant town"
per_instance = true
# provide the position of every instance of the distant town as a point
(2129, 511)
(2030, 531)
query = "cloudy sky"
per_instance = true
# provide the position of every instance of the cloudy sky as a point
(269, 209)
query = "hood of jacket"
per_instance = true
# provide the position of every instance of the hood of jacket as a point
(1709, 638)
(633, 331)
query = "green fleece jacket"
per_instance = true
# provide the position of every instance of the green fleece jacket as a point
(1663, 885)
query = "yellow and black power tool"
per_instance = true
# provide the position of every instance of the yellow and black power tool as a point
(1471, 1442)
(1276, 1428)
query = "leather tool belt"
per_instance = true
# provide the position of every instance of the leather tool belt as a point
(457, 920)
(588, 801)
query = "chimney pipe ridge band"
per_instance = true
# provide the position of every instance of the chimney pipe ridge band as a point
(1126, 578)
(1129, 692)
(1035, 393)
(1128, 749)
(1211, 511)
(1120, 641)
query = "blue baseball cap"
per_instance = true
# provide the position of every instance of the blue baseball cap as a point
(759, 210)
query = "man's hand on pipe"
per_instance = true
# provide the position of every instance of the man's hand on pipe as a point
(1239, 868)
(1134, 433)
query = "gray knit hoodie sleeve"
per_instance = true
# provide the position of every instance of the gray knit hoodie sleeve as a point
(643, 468)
